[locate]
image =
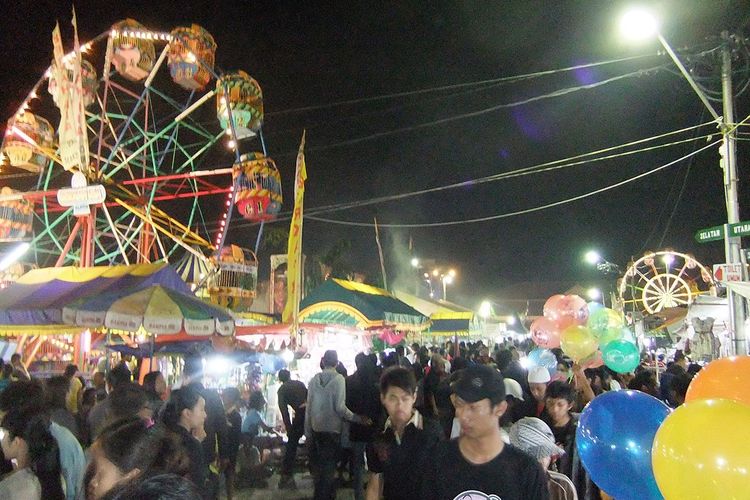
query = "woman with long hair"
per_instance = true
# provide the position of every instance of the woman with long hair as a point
(184, 414)
(156, 391)
(26, 440)
(129, 451)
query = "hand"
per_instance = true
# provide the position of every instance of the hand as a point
(365, 420)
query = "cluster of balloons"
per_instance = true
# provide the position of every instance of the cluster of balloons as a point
(589, 333)
(634, 447)
(702, 450)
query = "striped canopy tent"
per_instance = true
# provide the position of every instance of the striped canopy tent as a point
(351, 304)
(193, 269)
(446, 318)
(155, 310)
(34, 303)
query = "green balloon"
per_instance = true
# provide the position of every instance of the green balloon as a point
(609, 335)
(621, 356)
(603, 319)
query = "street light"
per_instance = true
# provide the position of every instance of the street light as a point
(602, 265)
(592, 257)
(638, 23)
(447, 279)
(485, 309)
(415, 262)
(641, 22)
(594, 294)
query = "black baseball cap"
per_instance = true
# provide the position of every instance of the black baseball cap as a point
(479, 382)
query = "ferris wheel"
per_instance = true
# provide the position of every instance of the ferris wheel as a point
(168, 147)
(664, 279)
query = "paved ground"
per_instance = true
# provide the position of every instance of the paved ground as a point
(304, 490)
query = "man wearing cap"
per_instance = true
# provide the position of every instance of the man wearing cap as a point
(479, 465)
(538, 379)
(533, 436)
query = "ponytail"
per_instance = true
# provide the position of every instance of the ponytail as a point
(32, 426)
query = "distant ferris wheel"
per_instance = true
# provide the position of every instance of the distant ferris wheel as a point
(665, 279)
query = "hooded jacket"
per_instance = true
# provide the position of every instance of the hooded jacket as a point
(326, 404)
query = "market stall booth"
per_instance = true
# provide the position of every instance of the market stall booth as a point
(355, 317)
(53, 306)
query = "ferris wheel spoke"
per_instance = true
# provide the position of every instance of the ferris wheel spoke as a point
(643, 276)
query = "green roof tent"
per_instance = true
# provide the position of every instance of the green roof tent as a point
(353, 304)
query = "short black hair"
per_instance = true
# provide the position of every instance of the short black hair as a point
(679, 356)
(56, 392)
(645, 377)
(561, 390)
(159, 487)
(232, 394)
(127, 400)
(398, 376)
(256, 401)
(119, 375)
(330, 359)
(15, 357)
(284, 376)
(21, 393)
(71, 370)
(400, 350)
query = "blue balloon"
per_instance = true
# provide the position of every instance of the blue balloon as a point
(594, 306)
(544, 358)
(614, 438)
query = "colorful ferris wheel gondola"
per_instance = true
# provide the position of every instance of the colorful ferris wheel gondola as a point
(29, 141)
(244, 98)
(133, 56)
(233, 285)
(192, 52)
(258, 184)
(16, 216)
(89, 80)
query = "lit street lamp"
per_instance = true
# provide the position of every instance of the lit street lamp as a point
(604, 266)
(447, 279)
(639, 23)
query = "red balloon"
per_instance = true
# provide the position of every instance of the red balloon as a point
(545, 333)
(573, 307)
(550, 307)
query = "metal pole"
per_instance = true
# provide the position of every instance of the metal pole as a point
(728, 162)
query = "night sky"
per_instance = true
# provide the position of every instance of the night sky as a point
(318, 54)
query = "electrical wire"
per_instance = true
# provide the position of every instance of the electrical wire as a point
(480, 112)
(518, 212)
(562, 163)
(441, 88)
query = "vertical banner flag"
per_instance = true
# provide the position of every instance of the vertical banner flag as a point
(73, 135)
(294, 248)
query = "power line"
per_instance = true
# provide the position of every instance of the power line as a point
(480, 112)
(518, 212)
(457, 85)
(562, 163)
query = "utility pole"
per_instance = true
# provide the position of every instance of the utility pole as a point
(728, 163)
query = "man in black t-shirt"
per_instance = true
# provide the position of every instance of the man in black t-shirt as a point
(405, 442)
(479, 465)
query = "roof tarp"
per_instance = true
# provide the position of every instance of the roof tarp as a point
(356, 304)
(446, 317)
(34, 303)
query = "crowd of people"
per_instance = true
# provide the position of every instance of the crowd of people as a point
(463, 421)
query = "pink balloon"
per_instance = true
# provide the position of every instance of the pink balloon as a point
(550, 307)
(573, 307)
(545, 333)
(564, 322)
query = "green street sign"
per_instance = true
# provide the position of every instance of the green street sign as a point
(739, 229)
(710, 234)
